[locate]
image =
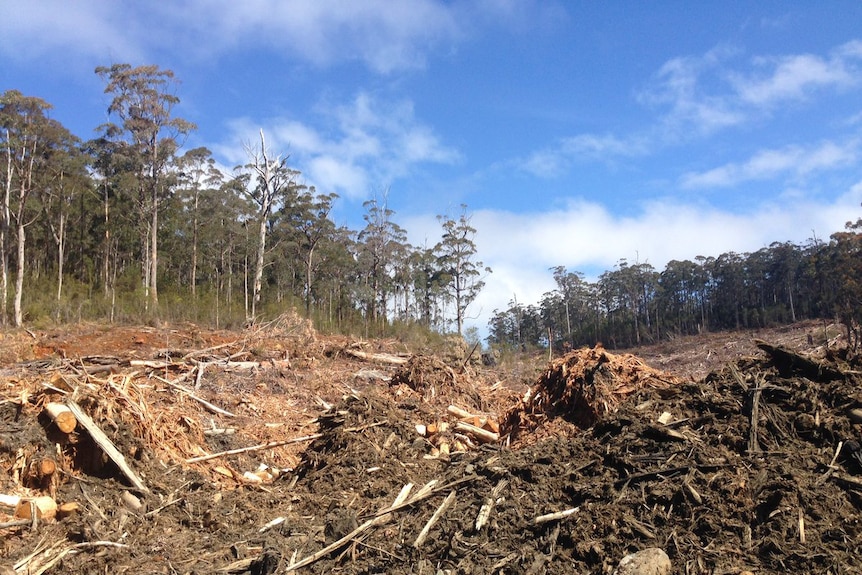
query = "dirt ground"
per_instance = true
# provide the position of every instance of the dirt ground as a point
(275, 450)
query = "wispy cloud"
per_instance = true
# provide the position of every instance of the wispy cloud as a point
(96, 29)
(684, 90)
(553, 161)
(698, 96)
(720, 89)
(796, 77)
(352, 147)
(385, 36)
(794, 161)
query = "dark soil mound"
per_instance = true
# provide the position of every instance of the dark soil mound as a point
(743, 470)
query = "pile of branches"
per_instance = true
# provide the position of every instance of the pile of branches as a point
(582, 387)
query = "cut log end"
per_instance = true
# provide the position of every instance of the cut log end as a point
(62, 417)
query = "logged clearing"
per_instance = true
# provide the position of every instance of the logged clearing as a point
(277, 450)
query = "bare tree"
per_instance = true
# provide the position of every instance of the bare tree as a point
(272, 178)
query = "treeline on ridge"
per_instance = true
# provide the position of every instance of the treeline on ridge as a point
(635, 304)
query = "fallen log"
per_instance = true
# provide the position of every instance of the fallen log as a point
(477, 432)
(423, 535)
(44, 506)
(259, 447)
(210, 406)
(62, 416)
(378, 519)
(790, 362)
(459, 413)
(107, 445)
(377, 357)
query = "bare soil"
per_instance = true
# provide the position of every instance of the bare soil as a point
(724, 454)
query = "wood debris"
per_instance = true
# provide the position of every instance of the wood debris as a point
(582, 387)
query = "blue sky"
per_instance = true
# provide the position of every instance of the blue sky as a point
(577, 133)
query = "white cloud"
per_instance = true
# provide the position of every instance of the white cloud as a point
(697, 96)
(350, 147)
(385, 36)
(95, 29)
(521, 248)
(767, 164)
(685, 87)
(794, 77)
(719, 89)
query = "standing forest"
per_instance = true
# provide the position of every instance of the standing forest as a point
(131, 226)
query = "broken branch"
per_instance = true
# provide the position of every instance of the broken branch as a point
(107, 445)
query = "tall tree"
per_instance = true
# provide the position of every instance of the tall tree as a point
(31, 142)
(69, 181)
(272, 178)
(379, 244)
(307, 217)
(457, 251)
(198, 175)
(143, 104)
(843, 268)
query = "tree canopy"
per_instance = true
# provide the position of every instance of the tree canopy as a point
(128, 225)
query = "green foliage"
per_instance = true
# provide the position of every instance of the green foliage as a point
(110, 223)
(462, 275)
(633, 304)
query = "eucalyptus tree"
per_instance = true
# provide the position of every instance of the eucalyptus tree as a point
(842, 268)
(143, 105)
(428, 281)
(313, 227)
(519, 327)
(727, 277)
(784, 271)
(681, 297)
(69, 182)
(338, 276)
(198, 176)
(266, 179)
(456, 254)
(226, 212)
(31, 143)
(379, 245)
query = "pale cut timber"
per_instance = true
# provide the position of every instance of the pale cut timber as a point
(9, 500)
(210, 406)
(62, 416)
(555, 516)
(377, 357)
(423, 535)
(107, 445)
(459, 413)
(46, 508)
(478, 432)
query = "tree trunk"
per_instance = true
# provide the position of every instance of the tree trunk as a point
(308, 273)
(4, 236)
(106, 266)
(61, 253)
(19, 274)
(195, 249)
(154, 254)
(258, 266)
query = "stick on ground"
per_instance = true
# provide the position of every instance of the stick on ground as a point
(107, 445)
